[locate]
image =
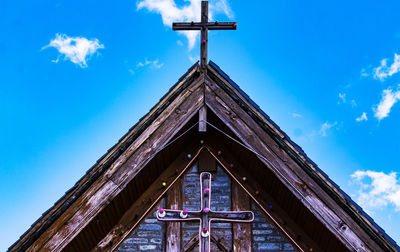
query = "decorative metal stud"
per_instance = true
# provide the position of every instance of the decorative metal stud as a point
(183, 214)
(161, 213)
(204, 232)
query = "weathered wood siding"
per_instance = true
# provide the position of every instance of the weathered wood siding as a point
(152, 235)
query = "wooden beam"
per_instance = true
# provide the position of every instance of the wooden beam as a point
(203, 119)
(138, 210)
(192, 243)
(204, 36)
(241, 231)
(56, 212)
(278, 217)
(286, 170)
(123, 170)
(207, 162)
(174, 201)
(220, 244)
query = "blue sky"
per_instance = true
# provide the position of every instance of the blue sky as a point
(76, 75)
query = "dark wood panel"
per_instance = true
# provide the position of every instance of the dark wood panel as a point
(242, 231)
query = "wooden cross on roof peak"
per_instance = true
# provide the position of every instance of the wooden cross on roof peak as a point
(204, 26)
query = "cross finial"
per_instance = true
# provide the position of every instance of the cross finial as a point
(204, 26)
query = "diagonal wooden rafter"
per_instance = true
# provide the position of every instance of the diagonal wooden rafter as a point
(242, 119)
(110, 183)
(251, 134)
(192, 243)
(138, 210)
(283, 222)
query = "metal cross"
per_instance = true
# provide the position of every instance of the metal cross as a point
(204, 26)
(205, 215)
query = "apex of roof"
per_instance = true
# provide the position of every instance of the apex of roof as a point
(218, 76)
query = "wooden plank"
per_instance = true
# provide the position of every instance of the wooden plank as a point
(204, 36)
(237, 120)
(192, 243)
(207, 163)
(220, 244)
(128, 222)
(241, 231)
(203, 119)
(42, 222)
(278, 217)
(174, 201)
(83, 210)
(291, 163)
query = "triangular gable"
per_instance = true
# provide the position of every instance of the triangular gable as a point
(132, 165)
(229, 194)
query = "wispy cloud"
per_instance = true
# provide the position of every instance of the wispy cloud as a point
(384, 71)
(152, 63)
(325, 127)
(364, 72)
(343, 100)
(389, 98)
(342, 97)
(363, 117)
(296, 115)
(193, 59)
(377, 189)
(76, 49)
(353, 103)
(170, 13)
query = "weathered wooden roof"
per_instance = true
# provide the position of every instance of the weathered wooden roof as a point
(217, 79)
(48, 217)
(343, 199)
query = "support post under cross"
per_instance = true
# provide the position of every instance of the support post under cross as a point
(205, 215)
(204, 26)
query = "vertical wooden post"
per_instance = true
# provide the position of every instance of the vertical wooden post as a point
(204, 35)
(174, 228)
(203, 119)
(242, 231)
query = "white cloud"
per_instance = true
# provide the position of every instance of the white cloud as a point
(389, 98)
(170, 13)
(296, 115)
(342, 97)
(343, 100)
(75, 49)
(363, 117)
(152, 63)
(377, 189)
(383, 71)
(193, 59)
(326, 127)
(364, 73)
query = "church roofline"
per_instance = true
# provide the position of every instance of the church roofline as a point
(280, 137)
(306, 163)
(59, 207)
